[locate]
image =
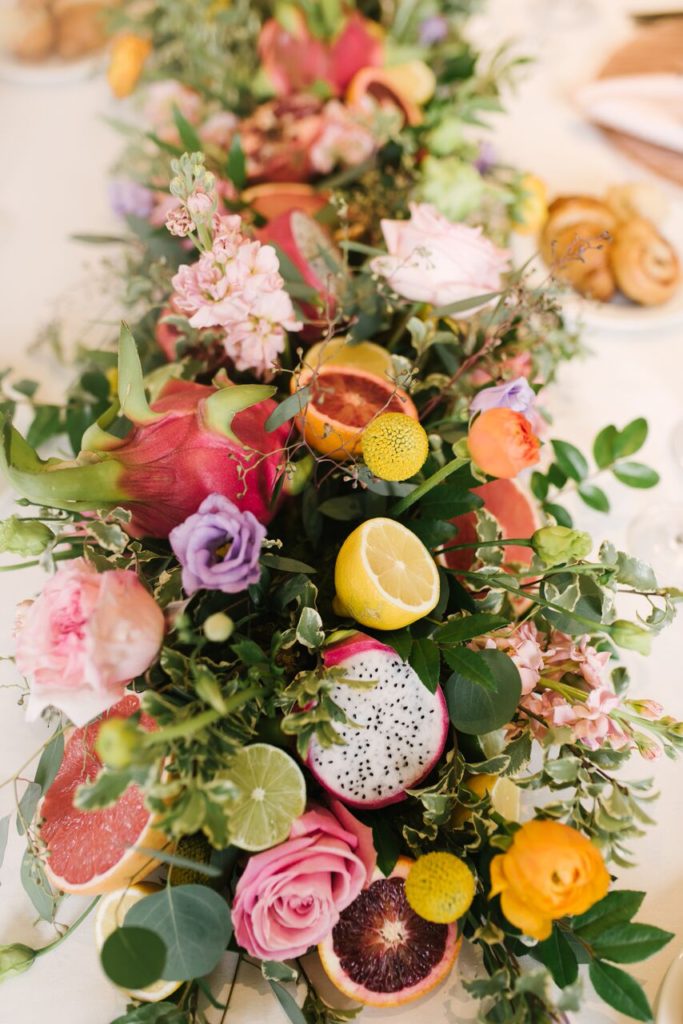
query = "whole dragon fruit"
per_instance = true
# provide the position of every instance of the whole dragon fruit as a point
(403, 727)
(194, 440)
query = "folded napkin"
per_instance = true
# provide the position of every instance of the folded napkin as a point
(647, 107)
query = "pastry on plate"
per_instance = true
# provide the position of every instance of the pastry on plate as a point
(575, 243)
(645, 265)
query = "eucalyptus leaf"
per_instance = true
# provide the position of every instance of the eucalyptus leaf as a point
(4, 836)
(153, 1013)
(133, 957)
(37, 886)
(193, 921)
(476, 709)
(288, 1003)
(50, 760)
(27, 806)
(292, 406)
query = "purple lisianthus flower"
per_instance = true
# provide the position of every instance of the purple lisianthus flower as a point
(130, 198)
(486, 158)
(218, 547)
(433, 29)
(515, 394)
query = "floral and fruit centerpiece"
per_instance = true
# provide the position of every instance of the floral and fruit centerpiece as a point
(334, 678)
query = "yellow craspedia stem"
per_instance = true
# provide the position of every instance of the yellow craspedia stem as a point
(128, 55)
(395, 446)
(440, 887)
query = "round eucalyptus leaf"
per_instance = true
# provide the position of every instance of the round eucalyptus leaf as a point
(133, 957)
(478, 709)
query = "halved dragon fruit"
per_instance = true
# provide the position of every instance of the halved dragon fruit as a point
(403, 727)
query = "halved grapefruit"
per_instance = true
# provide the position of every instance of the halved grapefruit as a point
(507, 502)
(380, 952)
(93, 851)
(366, 355)
(344, 399)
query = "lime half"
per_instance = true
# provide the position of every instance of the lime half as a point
(272, 793)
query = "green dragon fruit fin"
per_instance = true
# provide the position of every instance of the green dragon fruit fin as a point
(220, 408)
(134, 404)
(77, 487)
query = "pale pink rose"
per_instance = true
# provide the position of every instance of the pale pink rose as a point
(433, 260)
(161, 98)
(290, 897)
(219, 129)
(84, 638)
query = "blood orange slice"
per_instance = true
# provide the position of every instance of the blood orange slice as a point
(381, 952)
(93, 851)
(344, 399)
(515, 514)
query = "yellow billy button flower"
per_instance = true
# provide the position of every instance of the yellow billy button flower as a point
(440, 887)
(549, 871)
(128, 55)
(395, 446)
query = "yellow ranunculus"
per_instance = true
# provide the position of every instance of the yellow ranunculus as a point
(128, 55)
(549, 871)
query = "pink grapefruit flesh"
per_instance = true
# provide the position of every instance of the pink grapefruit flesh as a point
(93, 851)
(515, 514)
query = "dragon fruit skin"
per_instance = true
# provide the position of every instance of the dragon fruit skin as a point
(387, 745)
(171, 464)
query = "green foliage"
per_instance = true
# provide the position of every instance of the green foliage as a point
(133, 957)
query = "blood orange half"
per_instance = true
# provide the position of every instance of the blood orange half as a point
(93, 851)
(344, 399)
(381, 952)
(515, 514)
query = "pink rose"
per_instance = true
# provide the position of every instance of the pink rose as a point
(432, 260)
(290, 897)
(84, 638)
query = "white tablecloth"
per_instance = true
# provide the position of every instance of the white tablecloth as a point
(56, 152)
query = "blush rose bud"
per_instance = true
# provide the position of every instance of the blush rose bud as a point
(24, 537)
(557, 545)
(502, 443)
(15, 959)
(630, 636)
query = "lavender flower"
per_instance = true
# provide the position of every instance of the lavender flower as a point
(515, 394)
(433, 29)
(129, 198)
(218, 547)
(487, 157)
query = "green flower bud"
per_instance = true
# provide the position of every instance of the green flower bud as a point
(209, 690)
(24, 537)
(218, 627)
(556, 545)
(15, 959)
(631, 636)
(118, 743)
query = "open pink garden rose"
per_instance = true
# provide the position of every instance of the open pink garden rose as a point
(433, 260)
(290, 897)
(84, 638)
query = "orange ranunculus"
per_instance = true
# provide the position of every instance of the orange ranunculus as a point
(550, 871)
(502, 442)
(128, 55)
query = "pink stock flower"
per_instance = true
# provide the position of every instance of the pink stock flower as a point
(589, 662)
(433, 260)
(294, 59)
(344, 139)
(290, 897)
(237, 287)
(84, 638)
(523, 646)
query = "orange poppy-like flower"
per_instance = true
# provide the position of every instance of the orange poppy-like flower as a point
(550, 871)
(128, 55)
(502, 442)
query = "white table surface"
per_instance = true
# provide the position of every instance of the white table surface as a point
(56, 151)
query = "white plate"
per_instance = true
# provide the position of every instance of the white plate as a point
(619, 314)
(53, 71)
(670, 997)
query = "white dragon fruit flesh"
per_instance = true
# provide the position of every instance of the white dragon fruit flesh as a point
(403, 727)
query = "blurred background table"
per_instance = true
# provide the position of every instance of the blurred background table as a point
(57, 153)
